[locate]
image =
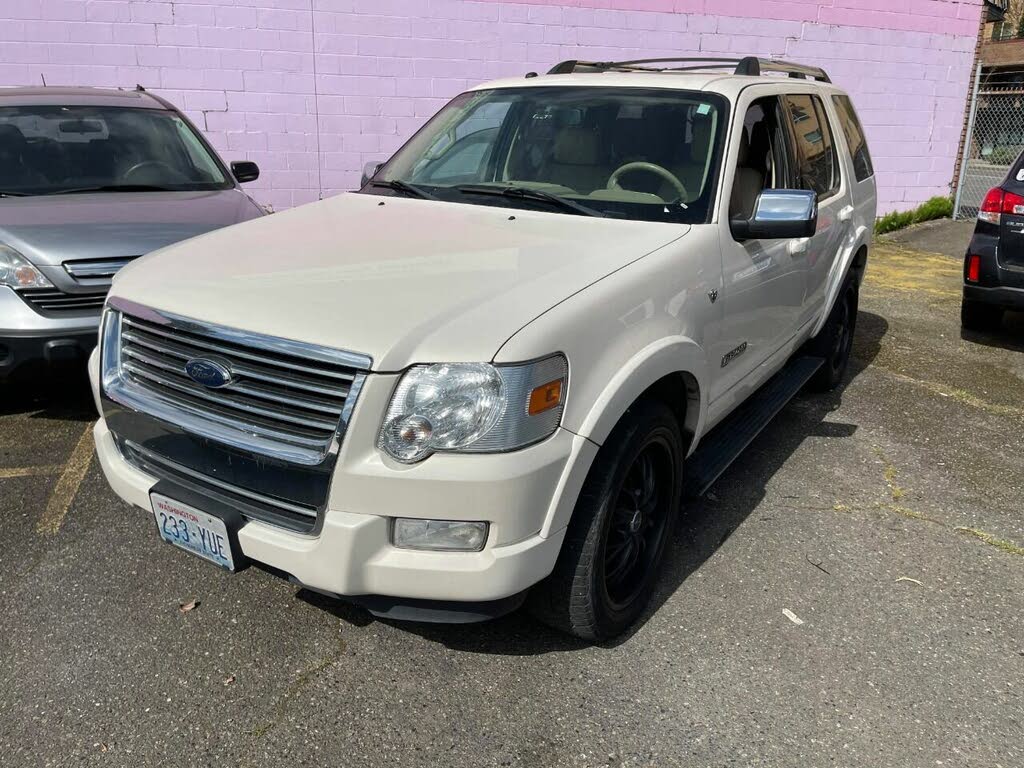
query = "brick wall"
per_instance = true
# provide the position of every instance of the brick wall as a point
(256, 74)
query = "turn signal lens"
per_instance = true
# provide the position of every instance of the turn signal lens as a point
(974, 268)
(545, 397)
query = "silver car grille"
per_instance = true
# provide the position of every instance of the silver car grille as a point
(55, 301)
(96, 271)
(285, 399)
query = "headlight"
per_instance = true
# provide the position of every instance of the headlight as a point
(18, 273)
(473, 408)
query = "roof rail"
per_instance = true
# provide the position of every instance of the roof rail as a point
(749, 65)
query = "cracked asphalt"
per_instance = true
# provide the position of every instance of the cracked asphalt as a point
(885, 517)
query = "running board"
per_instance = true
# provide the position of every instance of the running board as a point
(723, 445)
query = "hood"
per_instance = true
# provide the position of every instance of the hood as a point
(401, 280)
(49, 230)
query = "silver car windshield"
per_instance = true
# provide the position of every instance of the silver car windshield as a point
(640, 153)
(53, 149)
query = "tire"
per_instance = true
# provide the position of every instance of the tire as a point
(975, 316)
(835, 340)
(625, 513)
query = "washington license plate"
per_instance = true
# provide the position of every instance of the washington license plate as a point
(193, 530)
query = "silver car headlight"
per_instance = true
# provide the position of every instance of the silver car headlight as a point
(473, 408)
(16, 272)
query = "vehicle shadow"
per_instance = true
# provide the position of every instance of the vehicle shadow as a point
(1009, 335)
(62, 394)
(705, 526)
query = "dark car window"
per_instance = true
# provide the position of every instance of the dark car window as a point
(817, 162)
(764, 160)
(862, 167)
(47, 149)
(638, 153)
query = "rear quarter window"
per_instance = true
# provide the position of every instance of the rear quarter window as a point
(862, 167)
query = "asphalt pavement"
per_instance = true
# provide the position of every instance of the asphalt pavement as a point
(850, 594)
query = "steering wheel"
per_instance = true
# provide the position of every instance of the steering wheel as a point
(657, 170)
(156, 165)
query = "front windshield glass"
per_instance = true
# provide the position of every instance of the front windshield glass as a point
(48, 150)
(636, 153)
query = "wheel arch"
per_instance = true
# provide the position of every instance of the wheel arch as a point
(853, 257)
(673, 372)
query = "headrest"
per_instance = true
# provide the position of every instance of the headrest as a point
(11, 136)
(576, 146)
(760, 141)
(744, 153)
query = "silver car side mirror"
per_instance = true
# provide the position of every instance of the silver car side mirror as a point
(779, 214)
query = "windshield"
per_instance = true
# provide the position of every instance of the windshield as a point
(637, 153)
(47, 150)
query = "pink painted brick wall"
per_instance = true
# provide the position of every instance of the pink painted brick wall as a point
(254, 74)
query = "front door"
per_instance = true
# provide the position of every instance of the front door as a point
(764, 281)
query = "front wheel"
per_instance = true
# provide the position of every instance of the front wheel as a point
(619, 529)
(835, 340)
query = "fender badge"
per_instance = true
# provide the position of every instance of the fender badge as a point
(734, 354)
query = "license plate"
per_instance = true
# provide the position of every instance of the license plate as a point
(193, 530)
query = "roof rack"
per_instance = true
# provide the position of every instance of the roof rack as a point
(749, 65)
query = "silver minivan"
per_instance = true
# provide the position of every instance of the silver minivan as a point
(91, 179)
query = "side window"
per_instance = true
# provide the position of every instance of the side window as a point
(764, 159)
(862, 167)
(816, 160)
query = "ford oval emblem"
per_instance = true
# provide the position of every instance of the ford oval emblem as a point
(210, 373)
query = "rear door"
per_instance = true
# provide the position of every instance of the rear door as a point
(818, 168)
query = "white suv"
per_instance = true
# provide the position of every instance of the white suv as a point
(488, 372)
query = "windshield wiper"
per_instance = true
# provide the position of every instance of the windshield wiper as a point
(525, 193)
(114, 188)
(397, 185)
(10, 193)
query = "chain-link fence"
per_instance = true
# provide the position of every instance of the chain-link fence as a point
(994, 140)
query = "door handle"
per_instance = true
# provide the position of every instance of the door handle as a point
(798, 246)
(846, 213)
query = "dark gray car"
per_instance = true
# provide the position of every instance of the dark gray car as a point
(89, 180)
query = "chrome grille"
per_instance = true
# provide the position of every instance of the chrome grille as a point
(92, 271)
(285, 399)
(52, 300)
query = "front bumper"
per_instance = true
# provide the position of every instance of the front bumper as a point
(349, 554)
(27, 338)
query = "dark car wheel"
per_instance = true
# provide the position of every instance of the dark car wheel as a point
(623, 519)
(835, 340)
(975, 316)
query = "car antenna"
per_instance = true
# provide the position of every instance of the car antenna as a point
(43, 78)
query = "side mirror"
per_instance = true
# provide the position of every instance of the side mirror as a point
(245, 170)
(779, 214)
(369, 171)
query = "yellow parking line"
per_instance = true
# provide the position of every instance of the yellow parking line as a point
(67, 485)
(29, 471)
